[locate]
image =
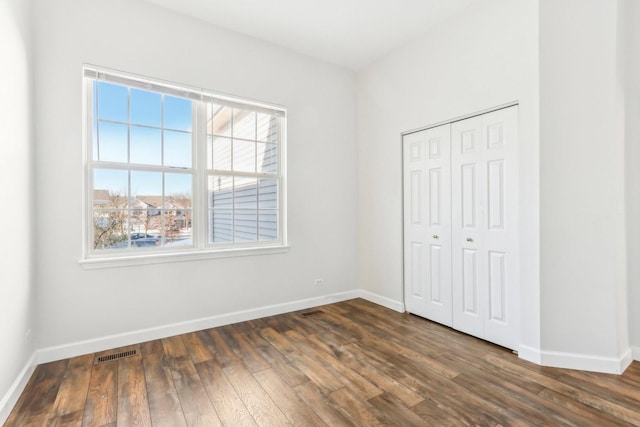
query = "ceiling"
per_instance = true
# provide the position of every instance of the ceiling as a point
(350, 33)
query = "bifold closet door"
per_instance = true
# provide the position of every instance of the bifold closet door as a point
(485, 226)
(427, 223)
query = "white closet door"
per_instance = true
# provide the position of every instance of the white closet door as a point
(427, 223)
(502, 324)
(485, 228)
(467, 262)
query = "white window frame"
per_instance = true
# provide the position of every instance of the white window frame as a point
(201, 248)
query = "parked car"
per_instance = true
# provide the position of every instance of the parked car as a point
(136, 236)
(145, 242)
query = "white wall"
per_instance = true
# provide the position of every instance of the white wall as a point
(485, 57)
(582, 195)
(77, 304)
(16, 250)
(630, 15)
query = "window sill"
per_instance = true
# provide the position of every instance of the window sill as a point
(165, 257)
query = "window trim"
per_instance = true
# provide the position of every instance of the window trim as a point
(171, 257)
(202, 248)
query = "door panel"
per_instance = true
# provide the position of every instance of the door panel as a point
(436, 147)
(416, 196)
(414, 221)
(427, 207)
(496, 194)
(467, 261)
(484, 212)
(502, 324)
(435, 196)
(497, 288)
(416, 269)
(436, 279)
(470, 282)
(469, 205)
(468, 140)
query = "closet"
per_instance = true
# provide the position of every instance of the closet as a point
(461, 225)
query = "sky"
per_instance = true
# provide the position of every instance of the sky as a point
(148, 120)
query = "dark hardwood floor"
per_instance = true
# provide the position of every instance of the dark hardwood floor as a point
(348, 364)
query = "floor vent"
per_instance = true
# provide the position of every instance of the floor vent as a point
(116, 356)
(311, 313)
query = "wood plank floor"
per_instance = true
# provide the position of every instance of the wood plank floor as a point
(347, 364)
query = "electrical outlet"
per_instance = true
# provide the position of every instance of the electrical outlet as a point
(318, 282)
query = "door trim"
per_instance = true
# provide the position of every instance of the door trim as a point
(457, 119)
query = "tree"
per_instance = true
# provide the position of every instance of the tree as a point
(172, 230)
(109, 224)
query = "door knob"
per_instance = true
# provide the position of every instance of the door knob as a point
(435, 236)
(469, 239)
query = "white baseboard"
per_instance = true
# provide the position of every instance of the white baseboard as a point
(382, 300)
(12, 395)
(45, 355)
(607, 365)
(64, 351)
(626, 359)
(120, 340)
(530, 354)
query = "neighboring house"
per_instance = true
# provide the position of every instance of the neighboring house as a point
(179, 209)
(101, 198)
(145, 211)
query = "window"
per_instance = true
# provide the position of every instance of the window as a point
(173, 170)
